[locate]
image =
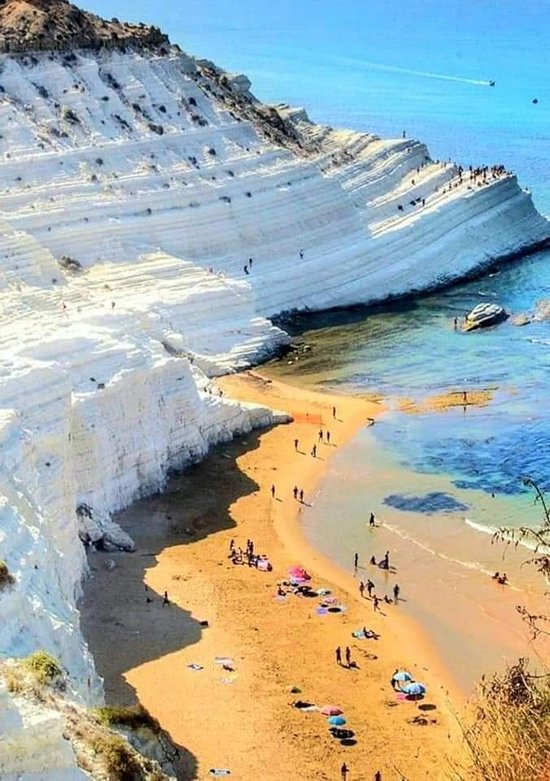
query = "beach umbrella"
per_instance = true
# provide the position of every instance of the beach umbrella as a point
(336, 721)
(402, 675)
(414, 689)
(299, 573)
(331, 710)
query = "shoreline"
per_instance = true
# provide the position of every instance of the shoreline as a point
(273, 645)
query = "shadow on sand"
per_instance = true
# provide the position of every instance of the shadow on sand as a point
(127, 624)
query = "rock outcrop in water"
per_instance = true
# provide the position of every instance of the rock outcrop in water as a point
(483, 316)
(136, 184)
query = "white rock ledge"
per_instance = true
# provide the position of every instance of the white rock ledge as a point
(160, 179)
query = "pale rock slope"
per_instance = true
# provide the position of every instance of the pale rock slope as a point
(135, 184)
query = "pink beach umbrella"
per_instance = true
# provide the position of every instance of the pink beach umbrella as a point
(299, 573)
(331, 710)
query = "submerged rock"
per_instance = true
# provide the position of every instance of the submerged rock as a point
(521, 319)
(484, 315)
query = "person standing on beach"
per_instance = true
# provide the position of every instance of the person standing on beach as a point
(339, 655)
(314, 451)
(375, 602)
(320, 435)
(348, 656)
(165, 600)
(295, 491)
(362, 589)
(273, 492)
(377, 776)
(334, 412)
(370, 586)
(296, 444)
(344, 771)
(371, 520)
(464, 397)
(302, 495)
(396, 591)
(356, 561)
(386, 560)
(328, 437)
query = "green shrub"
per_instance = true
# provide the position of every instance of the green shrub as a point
(133, 716)
(43, 666)
(117, 758)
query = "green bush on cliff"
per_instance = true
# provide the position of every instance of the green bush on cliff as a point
(43, 666)
(132, 716)
(117, 758)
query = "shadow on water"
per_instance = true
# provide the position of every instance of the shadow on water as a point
(193, 505)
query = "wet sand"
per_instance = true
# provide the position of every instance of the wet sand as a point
(242, 718)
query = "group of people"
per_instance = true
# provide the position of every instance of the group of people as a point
(347, 654)
(502, 579)
(369, 588)
(247, 556)
(298, 494)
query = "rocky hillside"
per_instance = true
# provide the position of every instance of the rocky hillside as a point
(38, 25)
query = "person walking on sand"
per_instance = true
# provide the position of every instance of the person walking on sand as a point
(320, 435)
(377, 776)
(296, 444)
(375, 603)
(362, 589)
(339, 655)
(302, 495)
(273, 492)
(348, 656)
(314, 451)
(295, 491)
(396, 591)
(370, 586)
(344, 771)
(371, 520)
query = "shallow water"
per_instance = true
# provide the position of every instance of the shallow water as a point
(441, 481)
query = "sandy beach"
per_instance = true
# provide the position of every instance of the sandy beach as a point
(241, 717)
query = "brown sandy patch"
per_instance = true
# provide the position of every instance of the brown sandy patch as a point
(243, 719)
(481, 397)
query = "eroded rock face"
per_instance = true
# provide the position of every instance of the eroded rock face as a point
(57, 24)
(484, 315)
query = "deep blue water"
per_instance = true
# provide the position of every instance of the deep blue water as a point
(386, 66)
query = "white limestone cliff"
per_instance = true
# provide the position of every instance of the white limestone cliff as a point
(135, 185)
